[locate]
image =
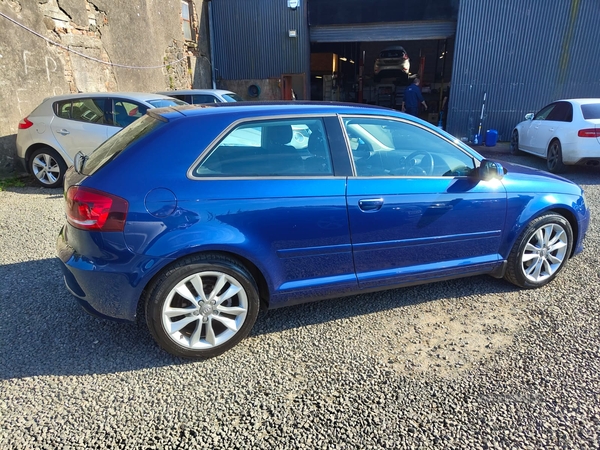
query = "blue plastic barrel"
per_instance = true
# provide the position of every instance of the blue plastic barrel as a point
(491, 138)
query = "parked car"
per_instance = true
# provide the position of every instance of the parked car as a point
(392, 62)
(565, 133)
(198, 215)
(50, 136)
(197, 96)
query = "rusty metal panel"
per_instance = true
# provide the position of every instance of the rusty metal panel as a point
(252, 39)
(524, 54)
(387, 31)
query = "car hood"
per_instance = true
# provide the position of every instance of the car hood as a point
(519, 179)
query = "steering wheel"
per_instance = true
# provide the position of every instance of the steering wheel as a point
(424, 168)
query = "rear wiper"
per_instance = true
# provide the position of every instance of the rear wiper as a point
(79, 161)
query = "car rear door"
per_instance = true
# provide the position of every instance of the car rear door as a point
(79, 124)
(415, 212)
(536, 138)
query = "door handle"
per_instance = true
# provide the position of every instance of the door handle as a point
(551, 130)
(370, 204)
(63, 132)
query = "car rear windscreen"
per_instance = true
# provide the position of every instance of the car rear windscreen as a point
(591, 111)
(112, 147)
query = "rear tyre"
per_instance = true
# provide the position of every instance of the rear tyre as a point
(555, 161)
(541, 252)
(202, 306)
(514, 143)
(47, 167)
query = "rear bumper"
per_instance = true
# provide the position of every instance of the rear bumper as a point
(581, 152)
(108, 288)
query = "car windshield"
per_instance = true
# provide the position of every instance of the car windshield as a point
(232, 98)
(591, 111)
(392, 54)
(112, 147)
(162, 102)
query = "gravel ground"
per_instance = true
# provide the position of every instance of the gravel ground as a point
(472, 363)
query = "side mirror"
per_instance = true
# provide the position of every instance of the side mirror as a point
(79, 162)
(489, 170)
(529, 116)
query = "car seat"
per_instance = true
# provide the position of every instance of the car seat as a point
(318, 162)
(282, 158)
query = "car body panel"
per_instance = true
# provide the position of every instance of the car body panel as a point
(422, 225)
(303, 238)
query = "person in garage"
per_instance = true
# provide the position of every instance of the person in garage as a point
(412, 98)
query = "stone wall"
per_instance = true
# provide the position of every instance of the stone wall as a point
(54, 47)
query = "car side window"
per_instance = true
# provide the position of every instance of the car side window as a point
(125, 112)
(89, 110)
(562, 112)
(271, 148)
(202, 98)
(544, 112)
(384, 147)
(63, 109)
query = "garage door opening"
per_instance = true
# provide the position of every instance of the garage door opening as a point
(377, 73)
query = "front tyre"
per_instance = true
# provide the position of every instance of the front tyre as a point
(202, 306)
(541, 251)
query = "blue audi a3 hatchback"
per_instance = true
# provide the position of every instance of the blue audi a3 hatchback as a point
(199, 215)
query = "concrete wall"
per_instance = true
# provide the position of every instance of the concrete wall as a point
(133, 45)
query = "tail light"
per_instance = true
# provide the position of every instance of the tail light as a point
(25, 123)
(589, 132)
(89, 209)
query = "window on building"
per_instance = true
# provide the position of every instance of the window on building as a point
(186, 14)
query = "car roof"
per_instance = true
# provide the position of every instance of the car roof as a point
(581, 101)
(140, 96)
(196, 91)
(274, 108)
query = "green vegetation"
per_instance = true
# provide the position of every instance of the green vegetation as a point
(11, 182)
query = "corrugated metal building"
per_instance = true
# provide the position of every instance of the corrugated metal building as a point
(524, 54)
(520, 54)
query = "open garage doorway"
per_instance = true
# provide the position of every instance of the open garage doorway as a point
(377, 73)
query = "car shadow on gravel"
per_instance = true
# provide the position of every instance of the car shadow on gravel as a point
(44, 332)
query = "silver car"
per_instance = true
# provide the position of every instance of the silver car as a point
(197, 96)
(49, 138)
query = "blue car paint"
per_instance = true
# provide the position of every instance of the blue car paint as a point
(425, 229)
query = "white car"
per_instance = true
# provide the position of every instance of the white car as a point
(49, 138)
(392, 62)
(198, 96)
(565, 133)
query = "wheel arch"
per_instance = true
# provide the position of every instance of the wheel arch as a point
(552, 139)
(560, 209)
(255, 272)
(570, 216)
(38, 145)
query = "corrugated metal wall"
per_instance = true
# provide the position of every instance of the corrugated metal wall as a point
(251, 39)
(524, 54)
(377, 32)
